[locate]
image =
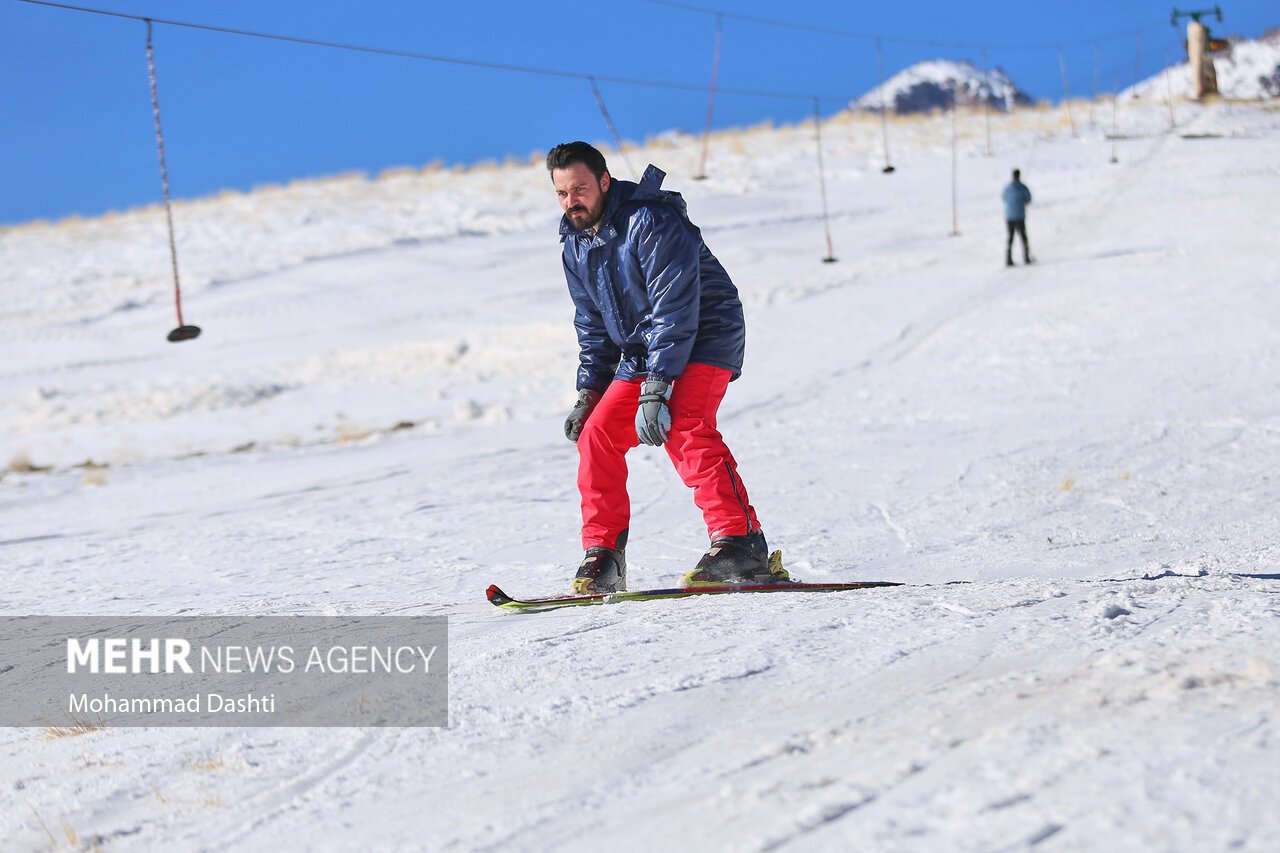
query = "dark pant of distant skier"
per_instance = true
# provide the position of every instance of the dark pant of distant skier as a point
(694, 445)
(1019, 227)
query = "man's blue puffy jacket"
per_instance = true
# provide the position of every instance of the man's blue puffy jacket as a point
(1016, 198)
(649, 296)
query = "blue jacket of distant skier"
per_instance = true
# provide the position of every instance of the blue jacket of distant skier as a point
(1016, 198)
(649, 296)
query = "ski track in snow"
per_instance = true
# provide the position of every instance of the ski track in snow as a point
(1070, 463)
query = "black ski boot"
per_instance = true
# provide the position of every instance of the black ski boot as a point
(741, 559)
(603, 569)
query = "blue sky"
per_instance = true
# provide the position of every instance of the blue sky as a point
(241, 112)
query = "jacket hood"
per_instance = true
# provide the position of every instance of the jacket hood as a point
(650, 189)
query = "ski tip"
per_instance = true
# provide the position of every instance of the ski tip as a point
(497, 597)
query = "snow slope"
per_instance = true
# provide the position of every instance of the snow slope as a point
(1071, 464)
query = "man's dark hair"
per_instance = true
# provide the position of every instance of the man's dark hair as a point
(566, 154)
(1017, 174)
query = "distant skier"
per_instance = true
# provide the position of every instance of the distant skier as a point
(1016, 198)
(661, 335)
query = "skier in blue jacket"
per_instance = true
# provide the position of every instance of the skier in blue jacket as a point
(1016, 198)
(661, 335)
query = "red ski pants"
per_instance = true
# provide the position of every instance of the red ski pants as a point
(694, 444)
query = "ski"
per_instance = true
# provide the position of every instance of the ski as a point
(500, 599)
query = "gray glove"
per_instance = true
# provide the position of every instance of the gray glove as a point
(653, 418)
(573, 425)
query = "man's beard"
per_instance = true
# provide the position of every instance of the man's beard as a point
(584, 219)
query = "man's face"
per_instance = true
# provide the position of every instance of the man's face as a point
(581, 196)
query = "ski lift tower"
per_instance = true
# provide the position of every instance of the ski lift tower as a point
(1204, 79)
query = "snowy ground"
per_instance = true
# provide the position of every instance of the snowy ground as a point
(1073, 465)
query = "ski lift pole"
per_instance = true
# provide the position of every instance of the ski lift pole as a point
(1093, 99)
(884, 113)
(1137, 64)
(986, 111)
(711, 100)
(822, 181)
(955, 204)
(1066, 92)
(183, 332)
(608, 120)
(1115, 86)
(1200, 44)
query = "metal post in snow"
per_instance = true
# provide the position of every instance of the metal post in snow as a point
(1066, 92)
(1115, 85)
(711, 100)
(1093, 99)
(955, 217)
(822, 181)
(986, 111)
(1137, 65)
(182, 332)
(608, 120)
(884, 113)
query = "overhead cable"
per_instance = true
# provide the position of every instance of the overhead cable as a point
(474, 63)
(791, 25)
